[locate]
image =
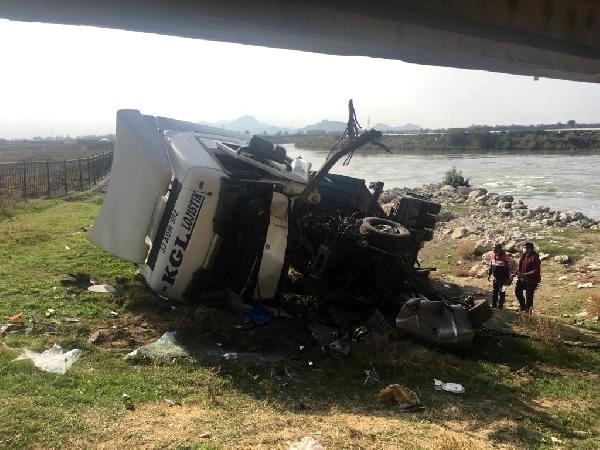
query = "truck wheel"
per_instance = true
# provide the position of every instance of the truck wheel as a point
(480, 313)
(385, 234)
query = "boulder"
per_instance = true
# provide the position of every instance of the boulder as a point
(460, 233)
(482, 246)
(447, 189)
(476, 193)
(504, 205)
(563, 217)
(506, 198)
(562, 259)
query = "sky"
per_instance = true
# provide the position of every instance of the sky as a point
(70, 80)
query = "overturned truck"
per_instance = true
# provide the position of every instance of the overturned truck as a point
(203, 210)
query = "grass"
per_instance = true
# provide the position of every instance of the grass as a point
(519, 392)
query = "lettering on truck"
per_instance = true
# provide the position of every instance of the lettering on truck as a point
(188, 222)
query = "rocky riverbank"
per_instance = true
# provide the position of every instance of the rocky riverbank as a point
(479, 219)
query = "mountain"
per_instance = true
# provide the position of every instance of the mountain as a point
(388, 128)
(250, 124)
(328, 126)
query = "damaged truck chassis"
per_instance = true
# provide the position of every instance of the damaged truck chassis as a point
(212, 216)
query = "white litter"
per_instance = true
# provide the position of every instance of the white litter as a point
(306, 443)
(455, 388)
(166, 347)
(101, 288)
(584, 285)
(53, 360)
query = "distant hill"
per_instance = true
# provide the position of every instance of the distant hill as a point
(328, 126)
(401, 128)
(251, 125)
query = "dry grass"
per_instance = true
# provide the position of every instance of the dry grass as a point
(593, 305)
(461, 272)
(541, 329)
(466, 249)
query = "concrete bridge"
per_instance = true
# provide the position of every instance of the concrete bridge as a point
(545, 38)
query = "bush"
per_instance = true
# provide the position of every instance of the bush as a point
(466, 249)
(455, 178)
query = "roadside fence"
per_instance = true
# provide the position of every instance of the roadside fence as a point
(20, 181)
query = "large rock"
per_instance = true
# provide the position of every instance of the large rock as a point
(460, 233)
(563, 217)
(447, 189)
(506, 198)
(562, 259)
(475, 194)
(482, 246)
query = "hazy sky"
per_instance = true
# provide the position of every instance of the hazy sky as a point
(71, 80)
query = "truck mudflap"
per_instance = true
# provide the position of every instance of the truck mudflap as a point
(273, 256)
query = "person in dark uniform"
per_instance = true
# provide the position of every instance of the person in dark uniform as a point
(528, 277)
(500, 270)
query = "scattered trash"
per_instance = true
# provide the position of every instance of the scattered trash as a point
(310, 363)
(230, 356)
(306, 443)
(555, 441)
(78, 279)
(371, 376)
(71, 319)
(455, 388)
(114, 314)
(128, 402)
(171, 403)
(94, 336)
(53, 360)
(17, 319)
(166, 347)
(301, 347)
(259, 315)
(5, 328)
(205, 435)
(50, 312)
(584, 285)
(107, 288)
(67, 247)
(406, 399)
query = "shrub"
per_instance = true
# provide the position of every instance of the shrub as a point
(466, 249)
(461, 272)
(455, 178)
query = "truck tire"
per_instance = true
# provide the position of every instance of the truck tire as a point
(385, 234)
(480, 313)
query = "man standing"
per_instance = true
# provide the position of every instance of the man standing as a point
(500, 269)
(529, 276)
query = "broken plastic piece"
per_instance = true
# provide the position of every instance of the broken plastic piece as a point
(106, 288)
(53, 360)
(406, 399)
(166, 347)
(455, 388)
(17, 319)
(306, 443)
(229, 356)
(128, 402)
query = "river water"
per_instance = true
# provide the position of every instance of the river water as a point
(563, 182)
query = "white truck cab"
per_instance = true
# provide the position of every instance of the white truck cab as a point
(197, 207)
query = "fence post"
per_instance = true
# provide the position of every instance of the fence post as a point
(66, 179)
(24, 177)
(89, 176)
(48, 177)
(80, 175)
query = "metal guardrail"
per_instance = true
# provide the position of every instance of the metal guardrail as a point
(20, 181)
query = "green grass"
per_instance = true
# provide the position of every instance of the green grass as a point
(244, 405)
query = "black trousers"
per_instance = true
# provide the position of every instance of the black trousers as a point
(526, 302)
(498, 296)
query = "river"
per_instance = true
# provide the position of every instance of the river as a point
(563, 182)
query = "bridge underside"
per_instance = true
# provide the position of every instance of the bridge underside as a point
(546, 38)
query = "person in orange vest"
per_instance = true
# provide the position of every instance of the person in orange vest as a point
(528, 277)
(500, 270)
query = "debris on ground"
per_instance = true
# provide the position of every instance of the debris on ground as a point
(77, 279)
(404, 398)
(171, 403)
(127, 402)
(17, 319)
(166, 347)
(105, 288)
(53, 360)
(50, 312)
(455, 388)
(306, 443)
(230, 356)
(585, 285)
